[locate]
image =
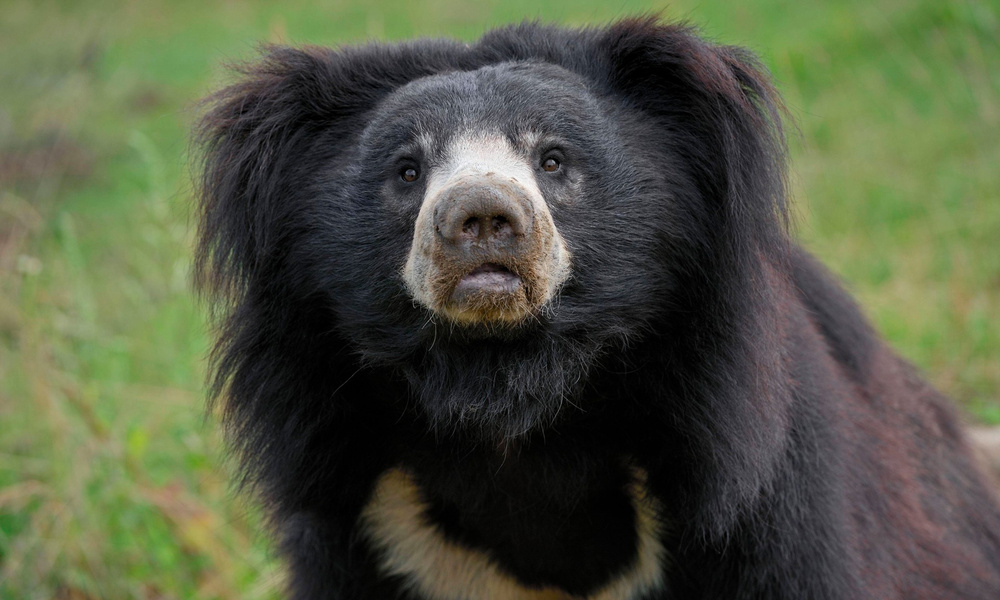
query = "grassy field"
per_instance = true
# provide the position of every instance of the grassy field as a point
(112, 482)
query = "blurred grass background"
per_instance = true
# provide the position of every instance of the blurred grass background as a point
(112, 483)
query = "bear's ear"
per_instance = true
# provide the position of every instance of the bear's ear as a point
(259, 136)
(716, 106)
(251, 134)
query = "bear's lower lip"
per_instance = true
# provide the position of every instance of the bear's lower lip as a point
(488, 278)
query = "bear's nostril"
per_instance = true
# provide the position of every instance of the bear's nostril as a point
(471, 228)
(500, 226)
(481, 227)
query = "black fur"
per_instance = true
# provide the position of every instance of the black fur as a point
(793, 454)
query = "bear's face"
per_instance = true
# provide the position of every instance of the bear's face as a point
(485, 249)
(493, 235)
(490, 170)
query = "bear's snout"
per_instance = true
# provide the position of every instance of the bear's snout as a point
(489, 226)
(486, 216)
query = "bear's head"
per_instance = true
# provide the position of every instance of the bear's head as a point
(492, 224)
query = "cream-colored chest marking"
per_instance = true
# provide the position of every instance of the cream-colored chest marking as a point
(440, 569)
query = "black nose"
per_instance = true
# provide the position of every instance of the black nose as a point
(482, 215)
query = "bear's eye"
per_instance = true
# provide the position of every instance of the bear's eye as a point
(550, 165)
(409, 174)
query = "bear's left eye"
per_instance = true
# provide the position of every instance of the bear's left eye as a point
(550, 165)
(409, 174)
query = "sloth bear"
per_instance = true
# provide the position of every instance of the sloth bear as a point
(522, 319)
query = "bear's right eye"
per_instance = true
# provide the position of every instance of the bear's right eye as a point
(409, 174)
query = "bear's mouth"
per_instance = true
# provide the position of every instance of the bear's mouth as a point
(487, 279)
(489, 293)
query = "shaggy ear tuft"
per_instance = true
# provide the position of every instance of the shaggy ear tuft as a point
(722, 110)
(250, 137)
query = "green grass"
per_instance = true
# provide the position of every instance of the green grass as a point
(112, 483)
